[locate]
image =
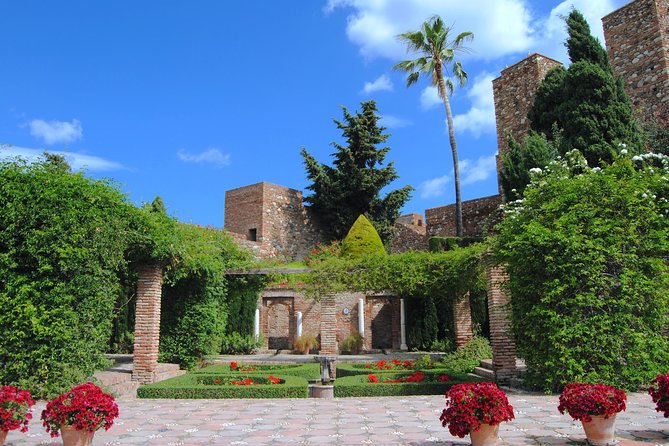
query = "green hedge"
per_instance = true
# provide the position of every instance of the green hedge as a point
(190, 387)
(307, 371)
(357, 386)
(437, 244)
(349, 369)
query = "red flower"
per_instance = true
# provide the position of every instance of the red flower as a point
(373, 379)
(15, 407)
(273, 379)
(217, 381)
(84, 407)
(471, 404)
(233, 365)
(659, 391)
(583, 400)
(443, 378)
(368, 366)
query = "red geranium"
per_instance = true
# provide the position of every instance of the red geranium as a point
(443, 378)
(15, 407)
(233, 365)
(415, 377)
(583, 401)
(84, 407)
(273, 379)
(471, 404)
(659, 391)
(373, 379)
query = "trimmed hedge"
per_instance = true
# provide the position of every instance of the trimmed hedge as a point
(357, 386)
(348, 369)
(191, 387)
(307, 371)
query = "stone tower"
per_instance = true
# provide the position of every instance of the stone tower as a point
(272, 216)
(514, 93)
(637, 42)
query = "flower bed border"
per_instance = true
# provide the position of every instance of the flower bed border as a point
(359, 385)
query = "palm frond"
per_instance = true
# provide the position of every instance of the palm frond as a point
(412, 78)
(459, 73)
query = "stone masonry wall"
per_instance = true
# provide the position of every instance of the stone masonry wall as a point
(637, 40)
(409, 238)
(281, 222)
(514, 93)
(337, 316)
(441, 220)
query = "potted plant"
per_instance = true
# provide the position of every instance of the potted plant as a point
(305, 343)
(352, 344)
(596, 406)
(476, 409)
(15, 405)
(77, 414)
(659, 391)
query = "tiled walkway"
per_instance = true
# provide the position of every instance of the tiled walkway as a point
(347, 421)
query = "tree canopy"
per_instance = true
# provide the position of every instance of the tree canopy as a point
(585, 103)
(352, 185)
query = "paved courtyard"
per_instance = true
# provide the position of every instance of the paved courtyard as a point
(410, 420)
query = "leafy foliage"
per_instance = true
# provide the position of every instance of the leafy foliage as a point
(362, 239)
(586, 102)
(353, 185)
(430, 281)
(535, 152)
(63, 238)
(585, 251)
(467, 357)
(195, 304)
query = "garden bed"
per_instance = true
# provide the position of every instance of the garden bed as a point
(205, 386)
(307, 371)
(432, 383)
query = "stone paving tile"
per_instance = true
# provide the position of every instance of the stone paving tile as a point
(410, 421)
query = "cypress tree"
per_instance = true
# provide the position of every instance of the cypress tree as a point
(352, 186)
(585, 103)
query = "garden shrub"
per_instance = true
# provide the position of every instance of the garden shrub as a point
(195, 308)
(467, 357)
(191, 387)
(437, 244)
(63, 241)
(362, 239)
(236, 344)
(586, 255)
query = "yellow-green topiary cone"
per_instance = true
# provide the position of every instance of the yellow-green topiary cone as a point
(362, 239)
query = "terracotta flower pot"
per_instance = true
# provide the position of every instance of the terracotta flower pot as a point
(73, 437)
(3, 437)
(485, 436)
(600, 431)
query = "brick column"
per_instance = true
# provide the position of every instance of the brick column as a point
(462, 320)
(329, 331)
(147, 324)
(501, 336)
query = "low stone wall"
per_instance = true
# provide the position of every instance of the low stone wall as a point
(441, 220)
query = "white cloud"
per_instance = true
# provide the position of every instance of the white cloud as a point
(436, 187)
(480, 118)
(479, 170)
(429, 98)
(382, 83)
(53, 132)
(211, 156)
(393, 122)
(504, 28)
(77, 161)
(470, 172)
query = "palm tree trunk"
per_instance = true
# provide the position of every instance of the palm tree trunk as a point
(454, 150)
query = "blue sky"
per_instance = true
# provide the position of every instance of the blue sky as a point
(189, 99)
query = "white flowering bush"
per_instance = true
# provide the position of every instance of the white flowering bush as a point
(586, 252)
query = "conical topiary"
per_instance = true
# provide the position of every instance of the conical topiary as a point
(362, 239)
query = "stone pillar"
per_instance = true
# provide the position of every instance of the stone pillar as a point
(328, 326)
(329, 332)
(462, 320)
(403, 328)
(501, 336)
(147, 324)
(361, 317)
(298, 324)
(256, 325)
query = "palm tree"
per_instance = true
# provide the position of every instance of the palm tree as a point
(437, 53)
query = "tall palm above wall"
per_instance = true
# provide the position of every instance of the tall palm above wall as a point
(436, 52)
